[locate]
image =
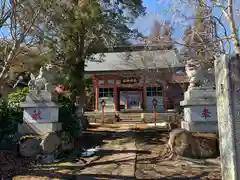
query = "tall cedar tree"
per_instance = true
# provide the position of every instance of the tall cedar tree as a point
(77, 29)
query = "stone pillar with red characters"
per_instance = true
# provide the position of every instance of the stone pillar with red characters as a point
(40, 113)
(200, 110)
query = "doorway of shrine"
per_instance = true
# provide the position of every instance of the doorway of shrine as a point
(129, 99)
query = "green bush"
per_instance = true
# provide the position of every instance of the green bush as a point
(5, 123)
(11, 113)
(67, 115)
(15, 112)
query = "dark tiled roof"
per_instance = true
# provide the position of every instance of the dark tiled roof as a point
(116, 61)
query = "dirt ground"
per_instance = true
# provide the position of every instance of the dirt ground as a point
(125, 152)
(150, 166)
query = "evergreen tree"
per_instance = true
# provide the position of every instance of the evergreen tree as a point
(77, 29)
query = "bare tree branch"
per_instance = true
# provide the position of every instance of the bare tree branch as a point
(18, 37)
(229, 11)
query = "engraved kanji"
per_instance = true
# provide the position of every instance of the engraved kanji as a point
(36, 115)
(206, 114)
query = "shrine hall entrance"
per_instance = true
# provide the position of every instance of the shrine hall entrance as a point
(129, 99)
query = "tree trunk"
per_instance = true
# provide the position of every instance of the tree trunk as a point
(80, 65)
(79, 91)
(233, 27)
(78, 86)
(229, 14)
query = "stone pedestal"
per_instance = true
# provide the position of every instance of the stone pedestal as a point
(40, 114)
(200, 111)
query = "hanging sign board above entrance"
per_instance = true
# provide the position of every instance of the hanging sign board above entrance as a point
(129, 80)
(102, 82)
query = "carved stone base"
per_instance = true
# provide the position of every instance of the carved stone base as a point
(38, 128)
(200, 94)
(203, 127)
(42, 96)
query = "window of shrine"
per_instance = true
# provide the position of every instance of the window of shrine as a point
(105, 92)
(154, 91)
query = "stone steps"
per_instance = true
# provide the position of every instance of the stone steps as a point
(130, 117)
(136, 117)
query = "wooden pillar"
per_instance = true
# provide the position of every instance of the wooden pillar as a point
(164, 96)
(115, 95)
(96, 94)
(144, 97)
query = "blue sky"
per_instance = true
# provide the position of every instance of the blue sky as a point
(157, 11)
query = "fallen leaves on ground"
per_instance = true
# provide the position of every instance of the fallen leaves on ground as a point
(11, 163)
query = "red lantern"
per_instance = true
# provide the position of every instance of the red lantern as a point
(154, 102)
(103, 103)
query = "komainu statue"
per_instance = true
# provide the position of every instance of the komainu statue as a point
(198, 76)
(41, 82)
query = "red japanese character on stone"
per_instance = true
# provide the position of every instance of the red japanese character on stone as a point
(36, 115)
(205, 113)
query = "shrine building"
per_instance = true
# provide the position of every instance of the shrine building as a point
(131, 80)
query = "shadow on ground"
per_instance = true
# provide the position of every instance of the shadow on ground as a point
(50, 174)
(152, 166)
(76, 164)
(147, 164)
